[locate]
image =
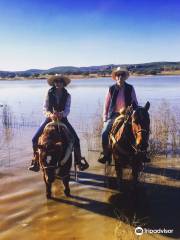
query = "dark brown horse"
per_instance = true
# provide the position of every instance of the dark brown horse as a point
(55, 148)
(129, 145)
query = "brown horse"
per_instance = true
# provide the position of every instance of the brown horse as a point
(129, 145)
(55, 148)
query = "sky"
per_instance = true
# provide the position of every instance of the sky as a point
(43, 34)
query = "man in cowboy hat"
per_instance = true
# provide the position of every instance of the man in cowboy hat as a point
(118, 98)
(57, 106)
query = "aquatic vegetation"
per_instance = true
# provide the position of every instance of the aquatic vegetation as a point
(6, 116)
(165, 131)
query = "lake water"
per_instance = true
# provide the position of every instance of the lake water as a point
(25, 100)
(24, 211)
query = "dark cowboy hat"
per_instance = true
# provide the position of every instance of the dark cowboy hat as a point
(63, 78)
(118, 71)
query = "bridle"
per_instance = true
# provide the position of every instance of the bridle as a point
(142, 130)
(134, 147)
(128, 122)
(137, 150)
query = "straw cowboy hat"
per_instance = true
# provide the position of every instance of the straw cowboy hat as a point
(118, 71)
(52, 79)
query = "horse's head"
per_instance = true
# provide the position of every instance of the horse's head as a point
(50, 143)
(140, 127)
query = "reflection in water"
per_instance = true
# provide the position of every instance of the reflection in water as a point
(28, 214)
(93, 210)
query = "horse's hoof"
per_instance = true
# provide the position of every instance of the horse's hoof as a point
(67, 192)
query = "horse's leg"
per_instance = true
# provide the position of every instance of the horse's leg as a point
(48, 189)
(136, 167)
(119, 169)
(66, 180)
(45, 175)
(49, 179)
(135, 174)
(48, 186)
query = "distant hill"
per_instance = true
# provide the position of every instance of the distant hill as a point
(141, 68)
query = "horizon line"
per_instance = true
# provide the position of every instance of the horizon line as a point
(28, 69)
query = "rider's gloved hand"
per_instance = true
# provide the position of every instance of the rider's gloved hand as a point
(56, 116)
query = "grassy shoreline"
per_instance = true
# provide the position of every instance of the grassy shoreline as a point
(81, 76)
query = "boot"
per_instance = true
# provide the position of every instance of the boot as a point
(104, 158)
(105, 155)
(79, 160)
(83, 164)
(34, 167)
(35, 164)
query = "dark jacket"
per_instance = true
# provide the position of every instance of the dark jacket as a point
(113, 90)
(53, 105)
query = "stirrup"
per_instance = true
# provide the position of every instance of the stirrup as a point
(83, 164)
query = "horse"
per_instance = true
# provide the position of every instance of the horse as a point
(55, 147)
(130, 142)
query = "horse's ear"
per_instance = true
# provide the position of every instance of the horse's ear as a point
(147, 106)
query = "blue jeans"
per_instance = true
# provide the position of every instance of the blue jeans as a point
(38, 133)
(105, 133)
(77, 150)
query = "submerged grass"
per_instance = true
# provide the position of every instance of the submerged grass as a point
(9, 119)
(165, 131)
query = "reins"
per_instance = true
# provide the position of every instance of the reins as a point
(126, 121)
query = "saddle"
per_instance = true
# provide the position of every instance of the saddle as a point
(117, 129)
(119, 124)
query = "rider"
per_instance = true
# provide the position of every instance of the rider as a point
(57, 106)
(118, 98)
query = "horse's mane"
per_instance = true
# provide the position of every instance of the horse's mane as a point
(50, 133)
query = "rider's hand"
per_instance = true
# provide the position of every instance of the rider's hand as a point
(53, 116)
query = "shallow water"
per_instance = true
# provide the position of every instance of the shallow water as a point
(87, 214)
(25, 212)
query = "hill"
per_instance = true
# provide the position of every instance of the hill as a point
(151, 68)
